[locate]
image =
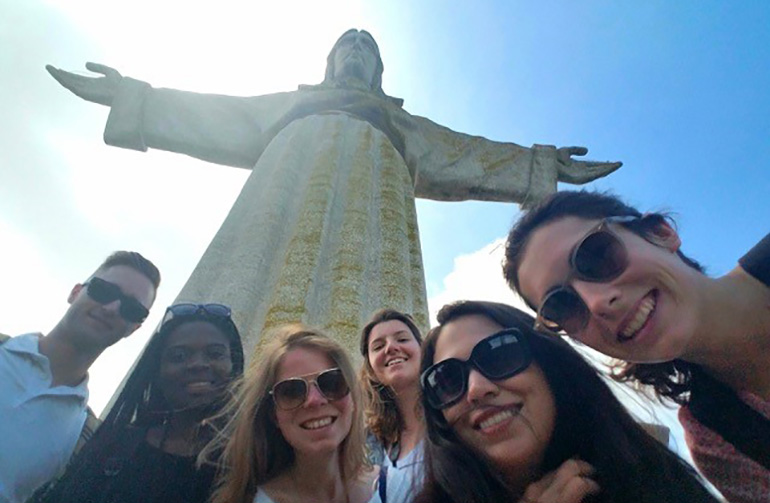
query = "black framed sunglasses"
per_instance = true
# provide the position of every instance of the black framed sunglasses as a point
(292, 393)
(599, 257)
(499, 356)
(105, 292)
(190, 309)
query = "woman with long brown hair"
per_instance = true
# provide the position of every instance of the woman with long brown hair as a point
(390, 376)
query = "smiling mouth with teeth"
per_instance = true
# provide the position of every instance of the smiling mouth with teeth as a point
(498, 417)
(395, 361)
(315, 424)
(640, 318)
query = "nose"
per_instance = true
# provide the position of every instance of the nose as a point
(198, 361)
(390, 346)
(314, 396)
(479, 387)
(600, 298)
(112, 307)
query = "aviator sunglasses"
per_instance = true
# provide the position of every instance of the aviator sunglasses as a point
(292, 393)
(500, 356)
(189, 309)
(599, 257)
(105, 292)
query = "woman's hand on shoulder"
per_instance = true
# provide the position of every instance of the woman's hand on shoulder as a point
(570, 483)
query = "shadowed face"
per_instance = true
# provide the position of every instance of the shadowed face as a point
(356, 57)
(196, 365)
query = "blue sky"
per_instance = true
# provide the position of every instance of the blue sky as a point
(678, 91)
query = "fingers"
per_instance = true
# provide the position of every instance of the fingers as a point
(578, 150)
(105, 70)
(66, 79)
(570, 483)
(96, 89)
(564, 154)
(579, 172)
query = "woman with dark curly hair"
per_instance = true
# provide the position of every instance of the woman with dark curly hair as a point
(390, 376)
(145, 451)
(615, 279)
(516, 415)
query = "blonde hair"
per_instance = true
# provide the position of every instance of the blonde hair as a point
(250, 449)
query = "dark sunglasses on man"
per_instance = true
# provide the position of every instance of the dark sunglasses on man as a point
(292, 393)
(499, 356)
(599, 257)
(105, 292)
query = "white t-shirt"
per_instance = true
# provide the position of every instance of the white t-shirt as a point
(403, 479)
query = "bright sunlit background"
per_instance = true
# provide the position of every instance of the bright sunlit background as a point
(677, 91)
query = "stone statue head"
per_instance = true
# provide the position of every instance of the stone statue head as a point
(355, 55)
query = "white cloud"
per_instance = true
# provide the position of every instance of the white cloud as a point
(476, 276)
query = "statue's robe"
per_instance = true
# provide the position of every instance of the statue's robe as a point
(325, 229)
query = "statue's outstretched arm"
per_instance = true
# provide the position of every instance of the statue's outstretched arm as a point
(100, 90)
(579, 172)
(452, 166)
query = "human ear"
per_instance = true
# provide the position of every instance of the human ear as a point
(664, 235)
(74, 293)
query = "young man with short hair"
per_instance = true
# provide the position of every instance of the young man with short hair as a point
(43, 379)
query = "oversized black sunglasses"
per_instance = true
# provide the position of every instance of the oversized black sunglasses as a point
(105, 292)
(292, 393)
(599, 257)
(499, 356)
(189, 309)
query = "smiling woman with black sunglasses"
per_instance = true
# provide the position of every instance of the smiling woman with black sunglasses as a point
(615, 279)
(146, 449)
(516, 415)
(295, 426)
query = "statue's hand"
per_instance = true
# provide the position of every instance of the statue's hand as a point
(580, 172)
(100, 90)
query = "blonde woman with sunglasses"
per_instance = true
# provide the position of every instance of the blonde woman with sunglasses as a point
(295, 429)
(614, 279)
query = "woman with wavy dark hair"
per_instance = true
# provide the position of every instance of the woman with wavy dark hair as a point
(615, 279)
(516, 415)
(390, 377)
(146, 449)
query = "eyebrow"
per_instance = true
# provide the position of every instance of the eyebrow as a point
(379, 338)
